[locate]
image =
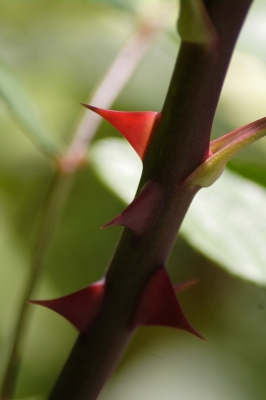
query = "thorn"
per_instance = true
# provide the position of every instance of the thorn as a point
(159, 306)
(79, 308)
(135, 126)
(140, 214)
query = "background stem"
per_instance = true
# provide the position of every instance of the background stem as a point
(115, 79)
(56, 196)
(113, 82)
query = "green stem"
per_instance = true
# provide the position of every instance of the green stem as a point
(54, 201)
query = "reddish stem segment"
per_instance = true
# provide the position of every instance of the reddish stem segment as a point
(179, 144)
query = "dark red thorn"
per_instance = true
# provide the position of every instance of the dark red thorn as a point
(136, 126)
(79, 308)
(158, 305)
(140, 214)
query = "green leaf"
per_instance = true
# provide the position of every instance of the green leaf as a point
(117, 165)
(24, 111)
(225, 222)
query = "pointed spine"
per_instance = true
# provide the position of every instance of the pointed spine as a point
(136, 126)
(159, 306)
(140, 214)
(79, 308)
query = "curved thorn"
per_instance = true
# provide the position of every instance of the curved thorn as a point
(79, 308)
(158, 305)
(139, 215)
(135, 126)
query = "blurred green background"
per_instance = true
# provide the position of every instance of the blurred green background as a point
(59, 51)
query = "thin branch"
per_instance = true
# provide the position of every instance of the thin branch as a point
(57, 194)
(107, 91)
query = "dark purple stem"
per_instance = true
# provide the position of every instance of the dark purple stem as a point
(179, 144)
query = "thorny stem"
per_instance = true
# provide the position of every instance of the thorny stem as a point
(179, 144)
(106, 92)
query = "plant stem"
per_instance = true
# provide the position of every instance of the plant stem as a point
(56, 196)
(179, 144)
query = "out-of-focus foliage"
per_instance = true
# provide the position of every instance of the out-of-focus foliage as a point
(60, 50)
(22, 109)
(223, 221)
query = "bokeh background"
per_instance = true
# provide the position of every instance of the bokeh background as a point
(59, 52)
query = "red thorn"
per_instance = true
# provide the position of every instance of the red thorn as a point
(79, 308)
(139, 215)
(158, 305)
(136, 126)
